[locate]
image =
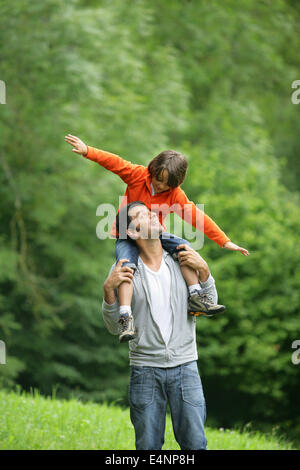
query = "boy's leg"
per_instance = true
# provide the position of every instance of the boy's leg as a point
(169, 243)
(126, 249)
(199, 303)
(125, 294)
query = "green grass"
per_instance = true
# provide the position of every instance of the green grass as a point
(31, 421)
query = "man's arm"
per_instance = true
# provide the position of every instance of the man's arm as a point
(209, 287)
(110, 304)
(109, 295)
(191, 258)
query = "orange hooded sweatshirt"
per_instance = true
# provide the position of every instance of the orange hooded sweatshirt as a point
(138, 179)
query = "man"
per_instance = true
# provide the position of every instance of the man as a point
(163, 355)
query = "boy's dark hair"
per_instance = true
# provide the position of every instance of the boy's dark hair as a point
(170, 160)
(123, 219)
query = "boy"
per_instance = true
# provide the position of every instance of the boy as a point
(157, 184)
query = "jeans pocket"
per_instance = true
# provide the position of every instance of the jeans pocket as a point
(141, 387)
(191, 386)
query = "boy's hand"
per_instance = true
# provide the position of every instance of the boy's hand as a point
(234, 247)
(79, 146)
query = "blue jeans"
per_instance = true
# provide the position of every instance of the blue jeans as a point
(150, 389)
(127, 248)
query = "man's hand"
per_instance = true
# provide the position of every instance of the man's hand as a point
(79, 146)
(119, 274)
(232, 246)
(192, 259)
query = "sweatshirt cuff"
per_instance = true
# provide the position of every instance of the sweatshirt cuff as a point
(92, 154)
(88, 155)
(110, 307)
(225, 240)
(209, 282)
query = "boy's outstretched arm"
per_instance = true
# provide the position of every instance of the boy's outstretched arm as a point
(129, 172)
(191, 214)
(232, 246)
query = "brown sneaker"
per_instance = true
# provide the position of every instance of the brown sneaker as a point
(199, 304)
(126, 328)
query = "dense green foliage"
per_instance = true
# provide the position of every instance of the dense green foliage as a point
(211, 79)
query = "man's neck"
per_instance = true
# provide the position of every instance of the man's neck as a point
(150, 252)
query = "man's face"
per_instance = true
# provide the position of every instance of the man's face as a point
(144, 223)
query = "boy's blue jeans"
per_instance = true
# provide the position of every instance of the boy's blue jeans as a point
(127, 248)
(150, 389)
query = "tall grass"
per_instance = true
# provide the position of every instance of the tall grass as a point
(31, 421)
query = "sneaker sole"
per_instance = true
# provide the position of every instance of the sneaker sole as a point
(127, 338)
(204, 314)
(199, 314)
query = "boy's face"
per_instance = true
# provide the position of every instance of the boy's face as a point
(160, 183)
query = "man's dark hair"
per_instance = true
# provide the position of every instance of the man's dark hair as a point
(170, 160)
(123, 219)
